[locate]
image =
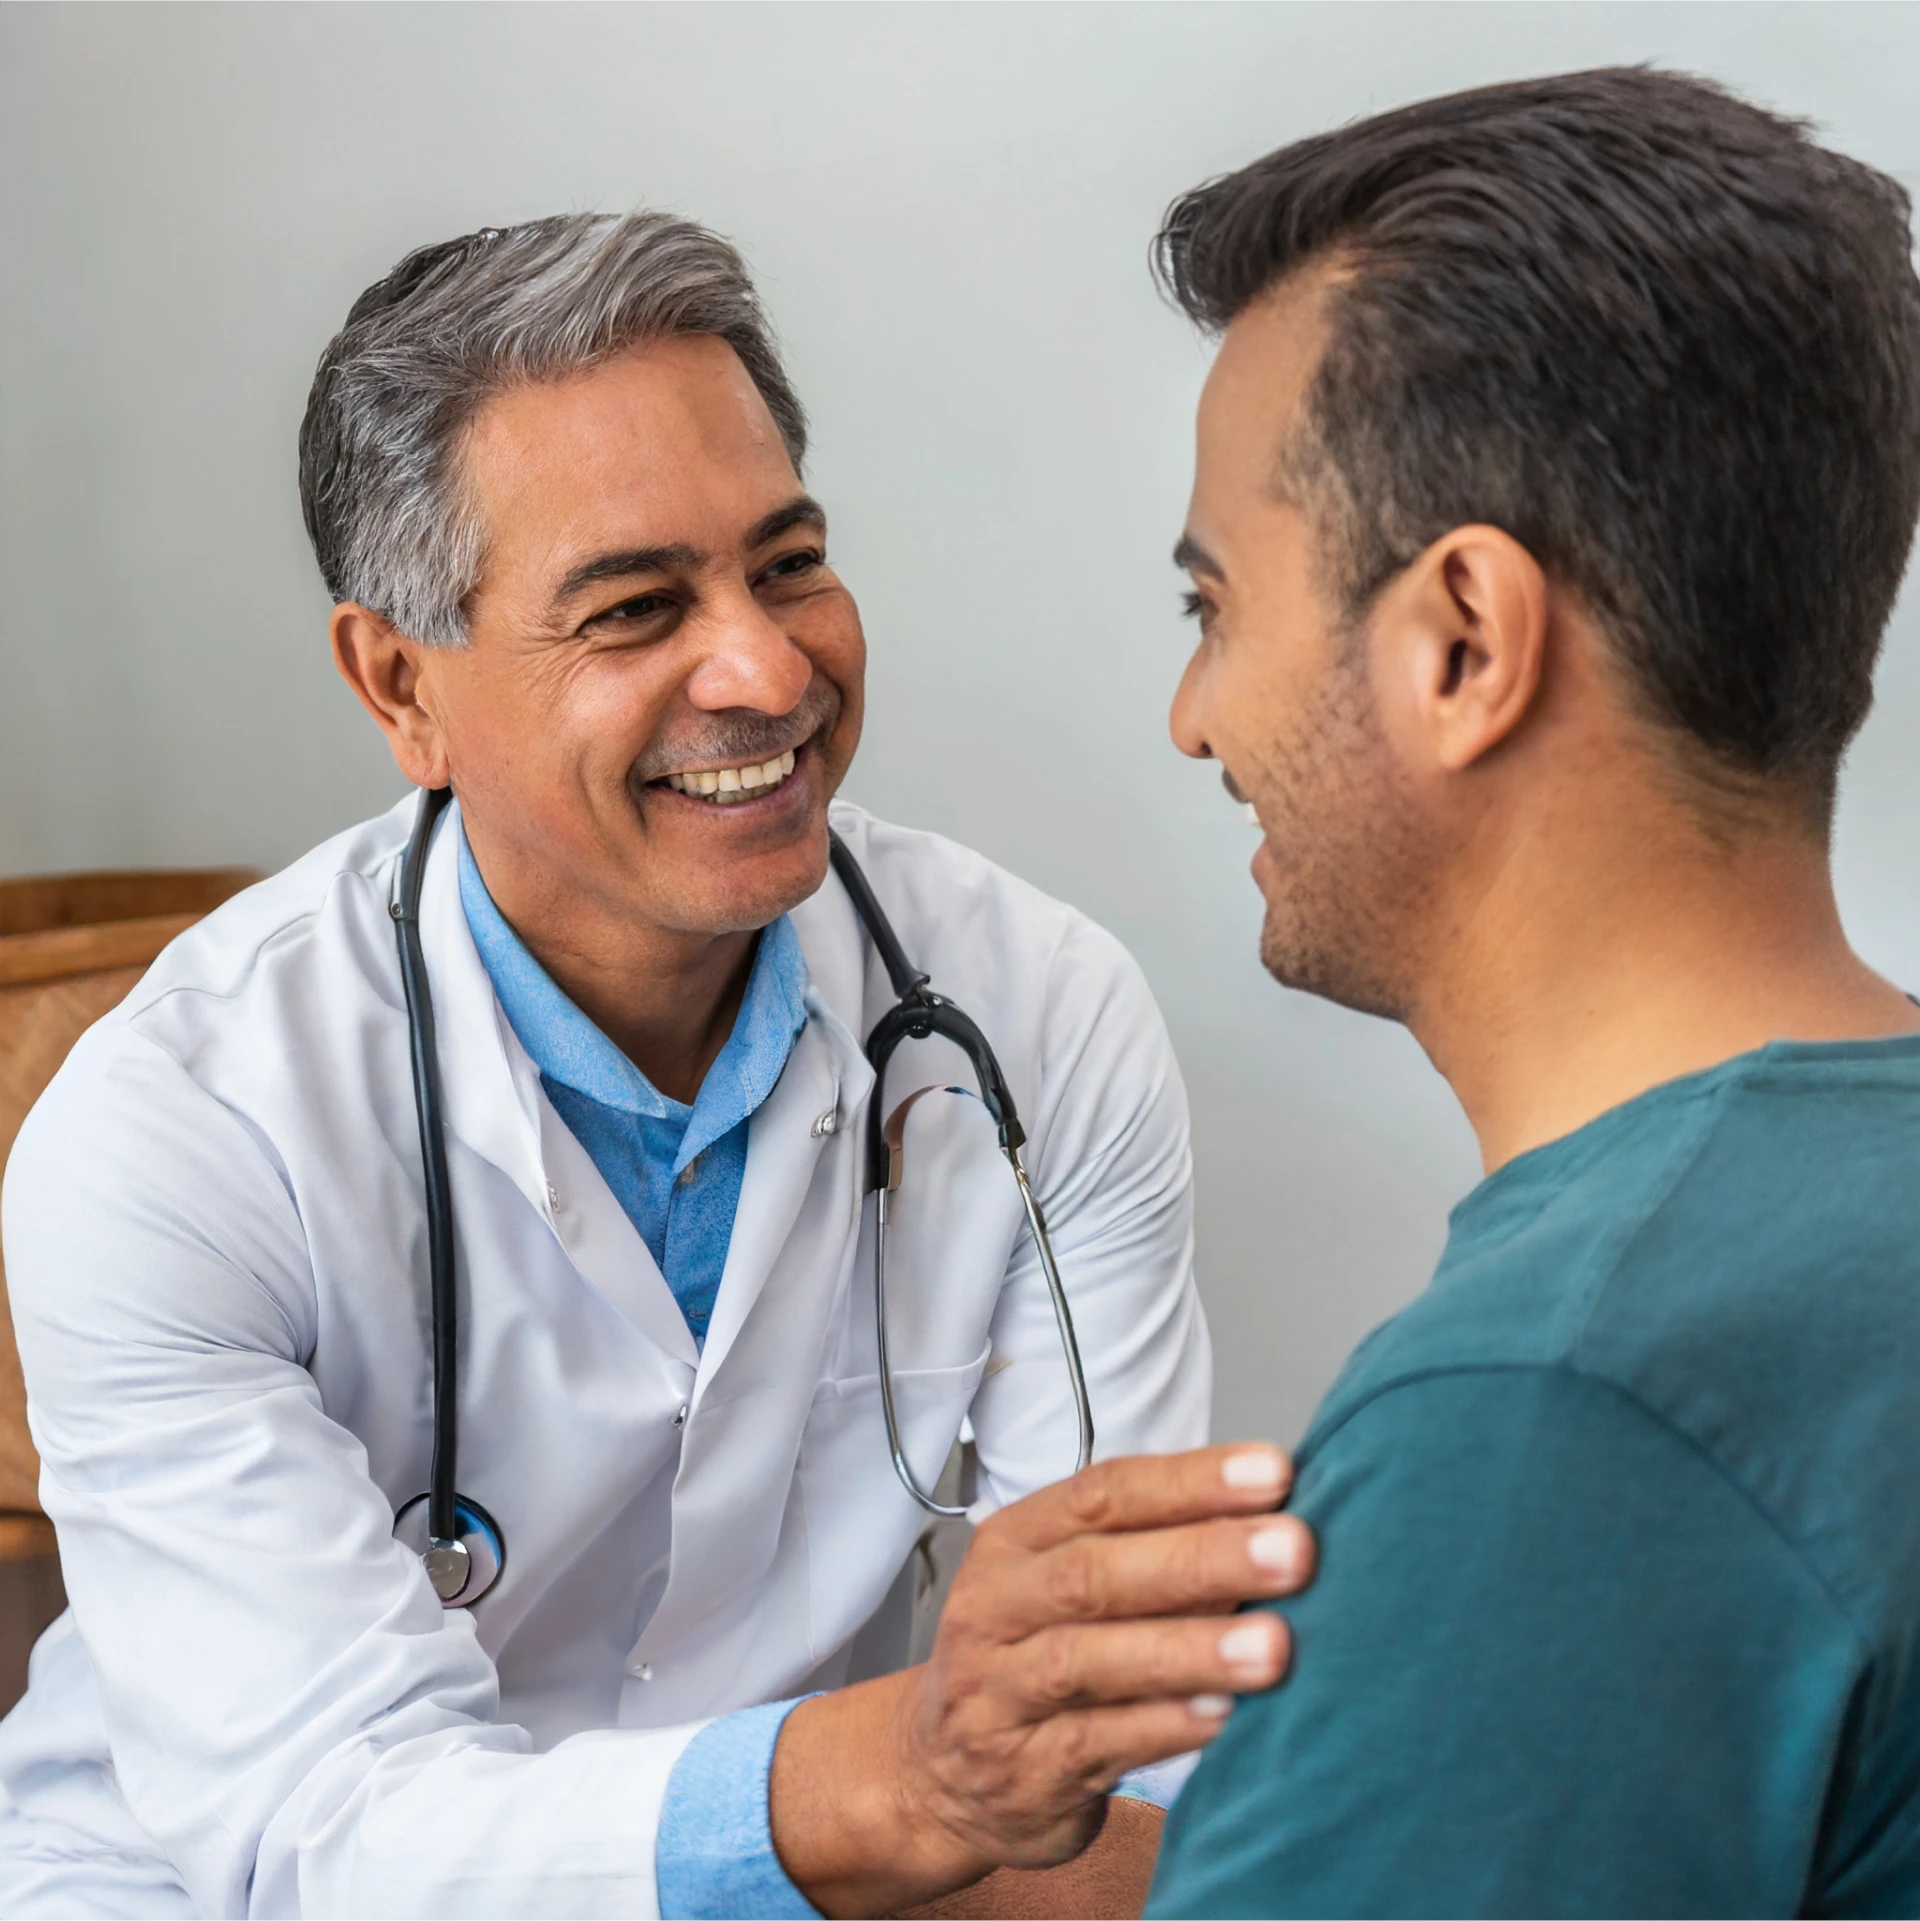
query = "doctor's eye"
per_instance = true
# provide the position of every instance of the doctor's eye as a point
(640, 607)
(1191, 606)
(796, 565)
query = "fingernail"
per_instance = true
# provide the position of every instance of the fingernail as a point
(1276, 1549)
(1250, 1645)
(1254, 1468)
(1212, 1707)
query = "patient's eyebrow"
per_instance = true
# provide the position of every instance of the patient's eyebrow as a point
(1189, 553)
(623, 562)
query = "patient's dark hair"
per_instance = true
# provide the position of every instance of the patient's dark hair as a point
(1656, 334)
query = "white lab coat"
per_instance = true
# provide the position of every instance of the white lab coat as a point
(216, 1247)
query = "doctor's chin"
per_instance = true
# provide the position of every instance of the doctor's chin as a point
(621, 1337)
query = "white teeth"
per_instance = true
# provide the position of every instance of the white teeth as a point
(1253, 816)
(727, 785)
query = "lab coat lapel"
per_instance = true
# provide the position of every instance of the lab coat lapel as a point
(794, 1242)
(604, 1244)
(794, 1130)
(489, 1089)
(809, 1119)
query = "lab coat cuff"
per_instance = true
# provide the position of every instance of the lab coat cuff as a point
(713, 1851)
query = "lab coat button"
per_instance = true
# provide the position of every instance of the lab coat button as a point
(642, 1670)
(553, 1195)
(680, 1419)
(827, 1123)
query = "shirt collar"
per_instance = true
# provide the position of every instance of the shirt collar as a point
(567, 1047)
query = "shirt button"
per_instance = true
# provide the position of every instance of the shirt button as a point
(691, 1172)
(680, 1419)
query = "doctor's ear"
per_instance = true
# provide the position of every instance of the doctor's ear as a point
(384, 668)
(1466, 633)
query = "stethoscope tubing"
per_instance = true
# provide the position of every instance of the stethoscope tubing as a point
(1062, 1315)
(442, 1482)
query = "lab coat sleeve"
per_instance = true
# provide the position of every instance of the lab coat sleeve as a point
(1111, 1164)
(292, 1717)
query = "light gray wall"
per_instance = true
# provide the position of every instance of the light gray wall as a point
(948, 209)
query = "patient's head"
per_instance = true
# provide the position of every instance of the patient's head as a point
(1562, 454)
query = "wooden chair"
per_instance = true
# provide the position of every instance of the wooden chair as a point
(71, 945)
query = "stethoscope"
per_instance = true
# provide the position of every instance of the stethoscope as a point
(459, 1542)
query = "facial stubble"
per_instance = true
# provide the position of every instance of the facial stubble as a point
(1347, 862)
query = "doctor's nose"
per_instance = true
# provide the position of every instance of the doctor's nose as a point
(750, 661)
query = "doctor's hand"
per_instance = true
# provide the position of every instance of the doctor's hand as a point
(1089, 1631)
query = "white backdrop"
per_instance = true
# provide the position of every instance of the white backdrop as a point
(948, 209)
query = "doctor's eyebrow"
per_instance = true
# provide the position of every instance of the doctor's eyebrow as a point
(623, 563)
(1194, 558)
(803, 511)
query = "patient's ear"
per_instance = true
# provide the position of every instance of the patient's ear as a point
(1461, 635)
(385, 669)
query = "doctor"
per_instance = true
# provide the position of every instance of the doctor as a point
(552, 479)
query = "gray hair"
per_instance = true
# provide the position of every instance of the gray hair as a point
(456, 323)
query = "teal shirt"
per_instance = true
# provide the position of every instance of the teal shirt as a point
(1619, 1602)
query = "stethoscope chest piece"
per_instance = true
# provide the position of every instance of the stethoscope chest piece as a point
(462, 1568)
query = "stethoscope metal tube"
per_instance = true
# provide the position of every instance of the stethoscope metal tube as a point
(1043, 1243)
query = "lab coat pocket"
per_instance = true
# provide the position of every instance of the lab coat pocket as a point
(861, 1523)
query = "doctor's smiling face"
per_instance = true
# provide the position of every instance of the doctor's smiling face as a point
(661, 686)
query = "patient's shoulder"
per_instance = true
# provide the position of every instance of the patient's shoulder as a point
(1739, 1255)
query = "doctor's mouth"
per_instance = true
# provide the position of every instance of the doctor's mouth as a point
(746, 770)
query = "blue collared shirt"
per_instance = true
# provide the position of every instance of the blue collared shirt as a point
(676, 1170)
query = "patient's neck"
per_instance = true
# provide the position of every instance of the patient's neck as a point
(1636, 942)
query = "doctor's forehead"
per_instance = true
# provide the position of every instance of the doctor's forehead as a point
(668, 445)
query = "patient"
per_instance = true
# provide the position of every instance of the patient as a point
(1556, 477)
